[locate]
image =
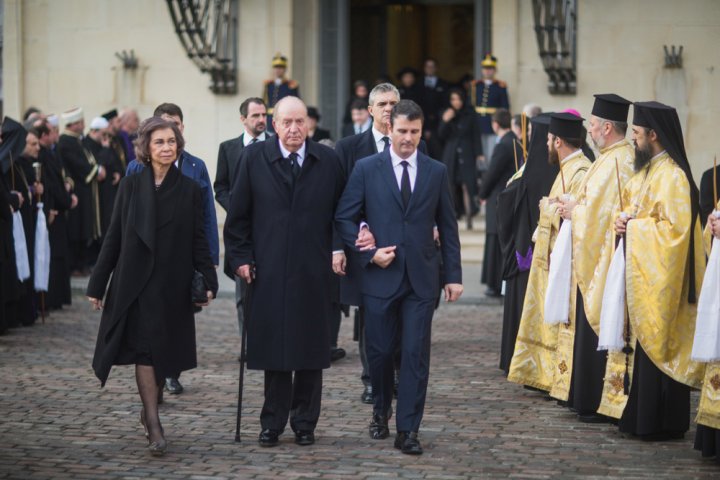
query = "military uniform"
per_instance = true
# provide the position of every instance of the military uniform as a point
(276, 88)
(486, 98)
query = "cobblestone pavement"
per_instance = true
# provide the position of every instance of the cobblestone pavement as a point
(55, 421)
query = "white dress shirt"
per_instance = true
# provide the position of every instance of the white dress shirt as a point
(378, 136)
(247, 138)
(300, 153)
(398, 168)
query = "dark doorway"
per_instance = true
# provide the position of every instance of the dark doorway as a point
(386, 36)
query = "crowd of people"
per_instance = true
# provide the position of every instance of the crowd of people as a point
(60, 183)
(599, 256)
(603, 263)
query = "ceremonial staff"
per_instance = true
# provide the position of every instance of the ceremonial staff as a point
(627, 349)
(515, 154)
(37, 166)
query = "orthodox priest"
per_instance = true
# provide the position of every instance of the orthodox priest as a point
(593, 215)
(84, 221)
(533, 363)
(518, 215)
(707, 435)
(663, 242)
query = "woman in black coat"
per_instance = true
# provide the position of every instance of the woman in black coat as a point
(153, 245)
(461, 134)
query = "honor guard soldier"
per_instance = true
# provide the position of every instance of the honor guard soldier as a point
(487, 95)
(278, 87)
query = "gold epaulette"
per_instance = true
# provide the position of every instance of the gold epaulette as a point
(501, 83)
(268, 82)
(485, 110)
(292, 84)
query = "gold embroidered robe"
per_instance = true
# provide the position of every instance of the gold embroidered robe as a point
(533, 362)
(657, 279)
(709, 407)
(593, 244)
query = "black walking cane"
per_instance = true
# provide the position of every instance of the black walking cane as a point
(247, 301)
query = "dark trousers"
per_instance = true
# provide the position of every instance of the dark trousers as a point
(335, 319)
(408, 317)
(297, 399)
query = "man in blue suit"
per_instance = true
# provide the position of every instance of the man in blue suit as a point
(351, 149)
(194, 168)
(402, 194)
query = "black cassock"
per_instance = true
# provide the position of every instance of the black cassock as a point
(57, 199)
(108, 158)
(517, 217)
(288, 233)
(501, 168)
(20, 178)
(7, 257)
(83, 221)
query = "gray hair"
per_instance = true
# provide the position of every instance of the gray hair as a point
(619, 127)
(383, 88)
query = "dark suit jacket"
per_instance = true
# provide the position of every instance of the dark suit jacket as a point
(350, 150)
(372, 193)
(288, 233)
(228, 157)
(501, 168)
(155, 241)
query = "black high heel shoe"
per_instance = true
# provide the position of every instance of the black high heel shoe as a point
(158, 447)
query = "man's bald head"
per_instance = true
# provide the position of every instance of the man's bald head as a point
(290, 122)
(286, 104)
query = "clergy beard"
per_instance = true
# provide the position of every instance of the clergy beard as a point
(553, 156)
(642, 157)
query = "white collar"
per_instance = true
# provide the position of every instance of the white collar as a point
(378, 135)
(247, 138)
(286, 153)
(395, 158)
(658, 155)
(576, 153)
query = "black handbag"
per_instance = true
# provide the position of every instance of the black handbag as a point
(198, 288)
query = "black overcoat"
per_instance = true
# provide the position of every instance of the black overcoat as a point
(462, 144)
(501, 168)
(152, 248)
(288, 233)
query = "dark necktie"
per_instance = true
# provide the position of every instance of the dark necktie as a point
(405, 190)
(294, 166)
(253, 140)
(387, 143)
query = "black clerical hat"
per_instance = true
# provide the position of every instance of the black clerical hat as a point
(110, 115)
(611, 107)
(13, 143)
(644, 110)
(566, 125)
(313, 113)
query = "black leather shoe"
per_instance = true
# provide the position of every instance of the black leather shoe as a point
(592, 418)
(367, 395)
(304, 437)
(378, 428)
(337, 354)
(268, 438)
(408, 443)
(172, 385)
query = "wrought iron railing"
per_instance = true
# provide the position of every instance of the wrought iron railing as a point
(208, 31)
